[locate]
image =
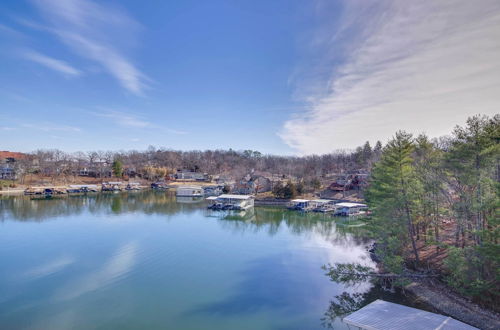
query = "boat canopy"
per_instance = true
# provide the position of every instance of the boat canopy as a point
(322, 201)
(349, 205)
(230, 196)
(300, 200)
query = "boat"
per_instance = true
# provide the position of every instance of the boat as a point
(189, 191)
(159, 186)
(81, 188)
(112, 186)
(133, 186)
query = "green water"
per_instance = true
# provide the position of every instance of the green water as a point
(147, 261)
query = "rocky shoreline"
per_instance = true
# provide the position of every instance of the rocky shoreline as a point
(439, 297)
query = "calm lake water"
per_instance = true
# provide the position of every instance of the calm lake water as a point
(146, 260)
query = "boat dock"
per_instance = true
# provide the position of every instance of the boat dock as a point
(231, 202)
(384, 315)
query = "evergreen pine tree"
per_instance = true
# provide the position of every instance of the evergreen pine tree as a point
(392, 195)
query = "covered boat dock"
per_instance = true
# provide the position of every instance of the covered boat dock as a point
(384, 315)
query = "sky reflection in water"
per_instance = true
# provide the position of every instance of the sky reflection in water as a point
(144, 260)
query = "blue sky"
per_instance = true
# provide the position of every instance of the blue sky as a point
(283, 77)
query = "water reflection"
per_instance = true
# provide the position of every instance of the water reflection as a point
(23, 208)
(258, 269)
(267, 219)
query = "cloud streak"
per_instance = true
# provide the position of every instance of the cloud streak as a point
(129, 120)
(422, 66)
(52, 127)
(52, 63)
(124, 119)
(96, 32)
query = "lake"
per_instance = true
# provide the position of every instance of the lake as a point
(147, 260)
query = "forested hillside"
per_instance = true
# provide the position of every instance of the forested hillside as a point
(435, 205)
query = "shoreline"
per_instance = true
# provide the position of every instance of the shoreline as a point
(439, 297)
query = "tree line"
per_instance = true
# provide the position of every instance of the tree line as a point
(442, 193)
(155, 163)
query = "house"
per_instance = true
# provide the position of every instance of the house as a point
(7, 173)
(191, 176)
(342, 183)
(252, 184)
(8, 160)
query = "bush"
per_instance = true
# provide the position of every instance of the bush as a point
(288, 191)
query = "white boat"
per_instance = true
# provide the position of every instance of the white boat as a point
(189, 191)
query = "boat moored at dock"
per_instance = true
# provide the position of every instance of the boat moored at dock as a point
(81, 188)
(114, 186)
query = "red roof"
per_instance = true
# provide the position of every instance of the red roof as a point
(12, 154)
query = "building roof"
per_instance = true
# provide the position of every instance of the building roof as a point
(12, 154)
(348, 204)
(229, 196)
(383, 315)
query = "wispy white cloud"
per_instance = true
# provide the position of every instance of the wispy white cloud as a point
(422, 66)
(47, 127)
(130, 120)
(123, 118)
(51, 63)
(96, 32)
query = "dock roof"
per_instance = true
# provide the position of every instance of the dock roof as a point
(300, 200)
(384, 315)
(348, 204)
(229, 196)
(322, 201)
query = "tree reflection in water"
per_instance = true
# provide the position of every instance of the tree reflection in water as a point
(260, 219)
(348, 302)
